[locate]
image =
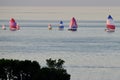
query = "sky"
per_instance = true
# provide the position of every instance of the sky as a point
(59, 2)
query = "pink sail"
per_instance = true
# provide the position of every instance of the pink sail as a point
(73, 25)
(110, 25)
(12, 24)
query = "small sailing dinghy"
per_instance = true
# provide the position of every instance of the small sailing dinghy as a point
(110, 25)
(3, 27)
(73, 25)
(12, 24)
(61, 26)
(50, 27)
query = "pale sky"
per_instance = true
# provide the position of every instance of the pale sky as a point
(59, 2)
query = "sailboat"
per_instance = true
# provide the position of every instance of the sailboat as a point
(3, 27)
(73, 25)
(50, 27)
(110, 25)
(61, 26)
(12, 24)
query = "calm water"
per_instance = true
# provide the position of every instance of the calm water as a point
(89, 54)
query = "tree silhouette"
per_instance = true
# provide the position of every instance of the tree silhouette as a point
(18, 70)
(55, 63)
(30, 70)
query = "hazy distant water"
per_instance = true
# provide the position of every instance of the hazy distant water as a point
(89, 54)
(59, 13)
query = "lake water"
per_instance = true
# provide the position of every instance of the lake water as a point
(89, 53)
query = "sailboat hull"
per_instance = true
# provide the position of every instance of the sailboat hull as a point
(72, 29)
(110, 30)
(61, 27)
(13, 29)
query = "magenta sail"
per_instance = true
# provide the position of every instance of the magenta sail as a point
(73, 25)
(110, 25)
(13, 25)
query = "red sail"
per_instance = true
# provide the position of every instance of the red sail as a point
(110, 26)
(12, 24)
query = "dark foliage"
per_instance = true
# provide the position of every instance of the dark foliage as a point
(18, 70)
(31, 70)
(55, 64)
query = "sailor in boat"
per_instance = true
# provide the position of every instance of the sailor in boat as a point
(50, 27)
(3, 27)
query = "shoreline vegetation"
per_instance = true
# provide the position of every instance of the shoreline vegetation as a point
(31, 70)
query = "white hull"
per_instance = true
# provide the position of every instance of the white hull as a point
(13, 29)
(110, 30)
